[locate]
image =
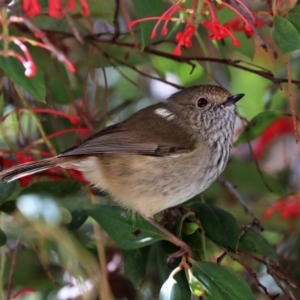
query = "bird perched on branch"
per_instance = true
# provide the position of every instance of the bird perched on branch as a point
(159, 157)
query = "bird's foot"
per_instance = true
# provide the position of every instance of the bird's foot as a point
(185, 250)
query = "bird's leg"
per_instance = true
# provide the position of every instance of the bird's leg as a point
(184, 248)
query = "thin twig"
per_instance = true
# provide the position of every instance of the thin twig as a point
(182, 59)
(252, 274)
(72, 26)
(116, 21)
(221, 257)
(292, 105)
(274, 270)
(287, 292)
(46, 268)
(254, 158)
(233, 191)
(12, 269)
(136, 69)
(254, 224)
(124, 75)
(36, 119)
(128, 20)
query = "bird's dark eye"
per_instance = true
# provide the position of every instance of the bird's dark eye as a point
(202, 102)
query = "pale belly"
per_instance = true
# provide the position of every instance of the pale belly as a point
(146, 184)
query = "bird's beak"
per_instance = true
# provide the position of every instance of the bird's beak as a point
(233, 99)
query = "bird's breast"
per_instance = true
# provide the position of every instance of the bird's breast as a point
(220, 145)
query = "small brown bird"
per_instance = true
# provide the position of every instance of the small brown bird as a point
(160, 156)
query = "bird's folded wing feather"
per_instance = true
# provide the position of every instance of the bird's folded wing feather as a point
(124, 139)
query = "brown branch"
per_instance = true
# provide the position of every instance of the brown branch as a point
(181, 59)
(116, 21)
(233, 191)
(253, 275)
(287, 292)
(221, 257)
(94, 38)
(117, 68)
(274, 270)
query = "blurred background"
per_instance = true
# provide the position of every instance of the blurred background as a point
(51, 247)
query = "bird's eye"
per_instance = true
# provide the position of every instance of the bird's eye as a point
(202, 102)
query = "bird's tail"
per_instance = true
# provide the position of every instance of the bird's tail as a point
(29, 168)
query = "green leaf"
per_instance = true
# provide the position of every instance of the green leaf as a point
(67, 193)
(247, 47)
(170, 290)
(190, 228)
(8, 207)
(160, 252)
(285, 35)
(6, 189)
(3, 238)
(79, 216)
(220, 283)
(66, 216)
(195, 285)
(194, 241)
(183, 285)
(294, 17)
(31, 277)
(148, 8)
(122, 56)
(257, 126)
(135, 263)
(183, 227)
(62, 87)
(102, 9)
(35, 86)
(219, 226)
(128, 231)
(253, 242)
(59, 188)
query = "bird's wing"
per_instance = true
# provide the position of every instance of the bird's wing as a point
(153, 139)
